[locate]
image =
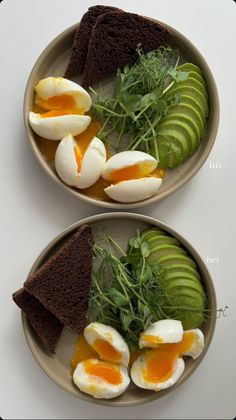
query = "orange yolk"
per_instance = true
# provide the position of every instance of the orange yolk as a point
(106, 351)
(151, 339)
(61, 101)
(55, 113)
(83, 351)
(161, 361)
(104, 370)
(139, 170)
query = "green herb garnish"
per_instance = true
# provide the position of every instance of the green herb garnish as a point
(138, 103)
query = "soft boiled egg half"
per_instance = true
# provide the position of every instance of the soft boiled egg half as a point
(101, 379)
(80, 166)
(161, 367)
(65, 103)
(108, 343)
(132, 176)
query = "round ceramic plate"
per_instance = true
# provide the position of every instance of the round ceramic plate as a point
(121, 226)
(53, 62)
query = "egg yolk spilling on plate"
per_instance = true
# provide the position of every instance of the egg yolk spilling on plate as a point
(160, 362)
(106, 351)
(104, 370)
(139, 170)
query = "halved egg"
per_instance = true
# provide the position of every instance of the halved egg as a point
(60, 93)
(163, 331)
(132, 176)
(192, 343)
(101, 379)
(108, 343)
(77, 167)
(54, 125)
(156, 370)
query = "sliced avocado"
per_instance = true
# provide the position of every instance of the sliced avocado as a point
(189, 319)
(186, 301)
(190, 67)
(164, 249)
(176, 258)
(194, 93)
(193, 128)
(186, 99)
(180, 275)
(197, 76)
(186, 291)
(150, 232)
(159, 239)
(161, 149)
(180, 282)
(191, 112)
(180, 131)
(182, 267)
(191, 82)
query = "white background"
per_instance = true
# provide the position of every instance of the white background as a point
(34, 210)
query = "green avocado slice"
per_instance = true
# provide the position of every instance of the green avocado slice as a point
(189, 123)
(189, 111)
(190, 91)
(188, 67)
(191, 82)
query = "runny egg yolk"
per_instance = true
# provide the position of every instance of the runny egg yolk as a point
(61, 101)
(83, 351)
(104, 370)
(55, 113)
(151, 339)
(83, 141)
(106, 351)
(139, 170)
(160, 362)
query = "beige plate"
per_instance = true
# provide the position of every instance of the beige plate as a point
(53, 62)
(121, 226)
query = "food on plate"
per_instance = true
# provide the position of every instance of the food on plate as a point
(101, 379)
(62, 104)
(114, 40)
(135, 309)
(108, 343)
(62, 283)
(159, 106)
(182, 280)
(164, 331)
(45, 324)
(132, 176)
(80, 164)
(162, 366)
(82, 37)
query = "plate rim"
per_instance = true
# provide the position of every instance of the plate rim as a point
(159, 196)
(139, 218)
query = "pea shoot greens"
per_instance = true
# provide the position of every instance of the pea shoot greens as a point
(138, 101)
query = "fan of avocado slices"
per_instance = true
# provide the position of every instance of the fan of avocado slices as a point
(159, 106)
(185, 296)
(179, 133)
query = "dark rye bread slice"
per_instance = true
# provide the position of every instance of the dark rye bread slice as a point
(114, 40)
(82, 37)
(45, 324)
(62, 283)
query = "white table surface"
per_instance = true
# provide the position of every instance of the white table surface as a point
(34, 210)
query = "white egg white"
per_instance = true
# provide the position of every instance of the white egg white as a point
(126, 159)
(133, 190)
(91, 165)
(54, 86)
(55, 128)
(197, 343)
(138, 374)
(98, 331)
(97, 386)
(163, 331)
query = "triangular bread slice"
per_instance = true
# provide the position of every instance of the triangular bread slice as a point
(62, 283)
(45, 324)
(81, 39)
(114, 40)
